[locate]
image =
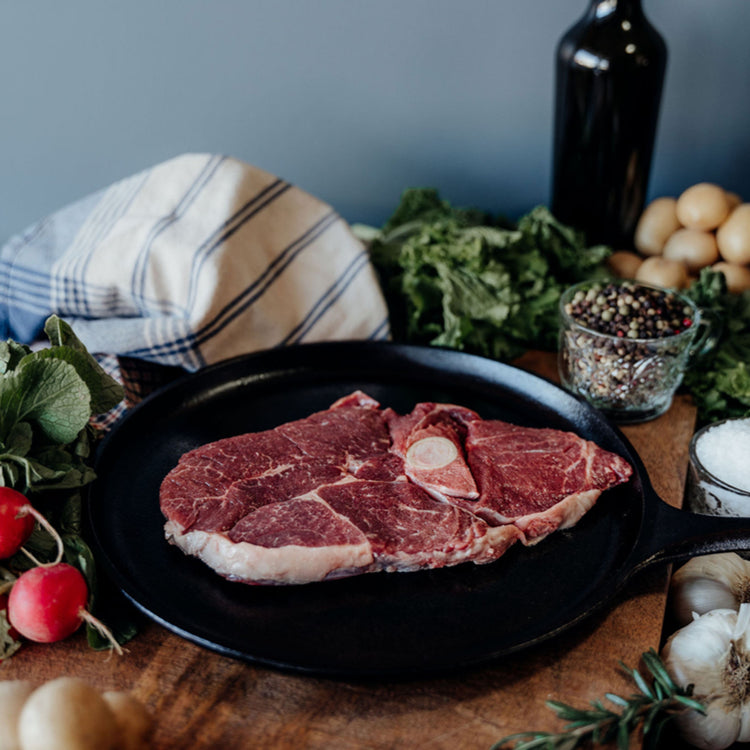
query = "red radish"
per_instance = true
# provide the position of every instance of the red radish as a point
(16, 523)
(48, 603)
(17, 518)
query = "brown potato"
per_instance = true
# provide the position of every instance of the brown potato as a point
(695, 248)
(13, 694)
(133, 719)
(67, 714)
(734, 200)
(703, 206)
(664, 272)
(658, 221)
(737, 276)
(733, 236)
(624, 263)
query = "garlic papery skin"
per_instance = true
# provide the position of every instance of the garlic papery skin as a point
(720, 581)
(712, 654)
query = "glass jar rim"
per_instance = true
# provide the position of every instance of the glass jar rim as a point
(700, 466)
(582, 285)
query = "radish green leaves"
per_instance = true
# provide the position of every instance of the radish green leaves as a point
(47, 398)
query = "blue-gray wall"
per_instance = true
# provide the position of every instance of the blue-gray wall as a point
(353, 100)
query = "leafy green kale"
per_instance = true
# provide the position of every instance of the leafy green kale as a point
(719, 381)
(459, 278)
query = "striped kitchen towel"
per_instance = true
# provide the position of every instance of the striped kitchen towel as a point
(193, 261)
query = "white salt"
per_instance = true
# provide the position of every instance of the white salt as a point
(724, 450)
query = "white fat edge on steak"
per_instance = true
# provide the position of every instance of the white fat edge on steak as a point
(563, 515)
(565, 512)
(290, 564)
(484, 548)
(355, 398)
(296, 564)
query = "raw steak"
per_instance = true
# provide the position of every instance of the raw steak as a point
(357, 489)
(538, 479)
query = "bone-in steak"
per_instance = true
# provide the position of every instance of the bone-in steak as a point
(357, 488)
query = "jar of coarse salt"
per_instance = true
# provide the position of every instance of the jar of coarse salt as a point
(719, 477)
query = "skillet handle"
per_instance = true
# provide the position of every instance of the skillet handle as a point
(673, 535)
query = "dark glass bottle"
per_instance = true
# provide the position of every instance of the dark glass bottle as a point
(609, 75)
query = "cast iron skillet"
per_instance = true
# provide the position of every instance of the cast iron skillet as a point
(376, 625)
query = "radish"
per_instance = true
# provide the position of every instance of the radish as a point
(48, 603)
(17, 518)
(16, 523)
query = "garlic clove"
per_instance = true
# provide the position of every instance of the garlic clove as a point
(692, 653)
(700, 595)
(744, 732)
(709, 582)
(712, 654)
(715, 730)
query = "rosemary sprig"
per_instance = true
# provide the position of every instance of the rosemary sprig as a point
(649, 710)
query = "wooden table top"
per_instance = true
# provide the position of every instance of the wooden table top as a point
(202, 700)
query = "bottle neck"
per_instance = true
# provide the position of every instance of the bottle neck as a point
(601, 9)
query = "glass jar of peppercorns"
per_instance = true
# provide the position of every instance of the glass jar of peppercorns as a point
(624, 346)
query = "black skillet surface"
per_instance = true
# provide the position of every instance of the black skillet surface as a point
(375, 625)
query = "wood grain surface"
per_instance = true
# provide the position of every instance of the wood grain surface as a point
(202, 700)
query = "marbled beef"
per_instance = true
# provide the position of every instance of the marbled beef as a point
(356, 489)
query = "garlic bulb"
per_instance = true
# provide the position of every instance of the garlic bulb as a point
(712, 653)
(710, 582)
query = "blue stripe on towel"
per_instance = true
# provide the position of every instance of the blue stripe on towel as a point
(259, 287)
(327, 299)
(250, 209)
(114, 205)
(243, 301)
(138, 280)
(74, 263)
(382, 331)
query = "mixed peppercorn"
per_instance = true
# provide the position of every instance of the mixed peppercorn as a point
(620, 348)
(628, 310)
